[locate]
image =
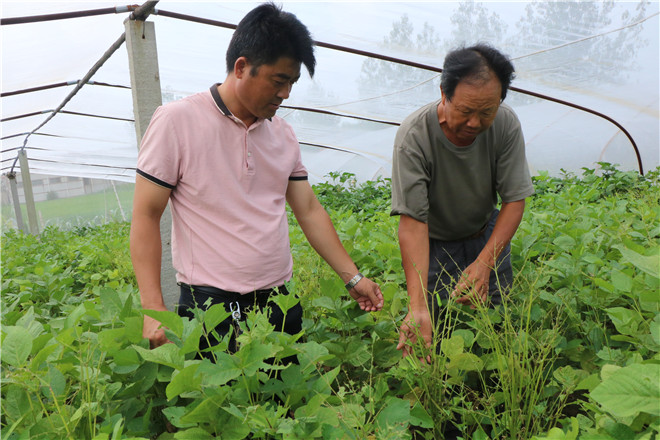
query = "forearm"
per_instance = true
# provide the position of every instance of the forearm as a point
(146, 248)
(506, 226)
(320, 232)
(414, 244)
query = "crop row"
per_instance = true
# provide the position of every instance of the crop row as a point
(573, 351)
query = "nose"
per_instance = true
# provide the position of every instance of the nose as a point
(285, 91)
(474, 121)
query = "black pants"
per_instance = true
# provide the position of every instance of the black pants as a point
(203, 297)
(448, 260)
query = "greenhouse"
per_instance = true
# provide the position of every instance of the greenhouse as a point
(572, 353)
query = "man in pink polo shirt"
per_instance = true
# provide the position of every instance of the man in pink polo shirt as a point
(228, 166)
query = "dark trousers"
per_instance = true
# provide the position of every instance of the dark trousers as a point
(203, 297)
(448, 260)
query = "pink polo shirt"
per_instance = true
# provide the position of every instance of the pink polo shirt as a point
(229, 224)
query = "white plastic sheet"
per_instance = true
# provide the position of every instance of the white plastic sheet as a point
(603, 56)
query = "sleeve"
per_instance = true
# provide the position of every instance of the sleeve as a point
(299, 171)
(513, 180)
(160, 154)
(410, 178)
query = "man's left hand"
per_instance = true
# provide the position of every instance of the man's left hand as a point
(473, 286)
(368, 295)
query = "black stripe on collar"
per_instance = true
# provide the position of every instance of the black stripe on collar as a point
(218, 100)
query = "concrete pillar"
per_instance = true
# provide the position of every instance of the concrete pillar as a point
(145, 84)
(17, 202)
(33, 222)
(145, 78)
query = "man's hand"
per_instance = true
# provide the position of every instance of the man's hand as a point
(151, 331)
(415, 323)
(368, 295)
(473, 286)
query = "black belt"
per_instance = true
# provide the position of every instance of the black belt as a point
(214, 290)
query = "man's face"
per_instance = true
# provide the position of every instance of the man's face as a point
(260, 93)
(471, 110)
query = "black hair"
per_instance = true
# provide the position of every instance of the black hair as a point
(266, 34)
(475, 63)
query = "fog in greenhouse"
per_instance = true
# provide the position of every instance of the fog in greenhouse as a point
(599, 55)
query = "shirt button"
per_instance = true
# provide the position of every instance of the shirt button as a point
(249, 154)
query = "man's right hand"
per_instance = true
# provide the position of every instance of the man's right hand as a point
(416, 323)
(151, 331)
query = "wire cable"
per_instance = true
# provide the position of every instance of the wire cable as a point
(60, 84)
(425, 67)
(141, 13)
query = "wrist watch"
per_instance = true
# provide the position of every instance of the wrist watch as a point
(353, 281)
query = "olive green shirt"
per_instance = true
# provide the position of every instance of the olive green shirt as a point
(454, 189)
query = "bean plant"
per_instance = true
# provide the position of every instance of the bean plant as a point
(571, 353)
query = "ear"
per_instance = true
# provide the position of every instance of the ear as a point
(241, 67)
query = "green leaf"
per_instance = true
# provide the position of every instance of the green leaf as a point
(655, 329)
(453, 346)
(396, 412)
(569, 377)
(466, 335)
(622, 281)
(285, 302)
(222, 371)
(589, 383)
(323, 384)
(252, 355)
(169, 319)
(186, 380)
(16, 402)
(16, 346)
(174, 414)
(565, 242)
(311, 353)
(126, 360)
(466, 362)
(649, 264)
(479, 434)
(233, 426)
(111, 339)
(419, 417)
(42, 356)
(74, 316)
(193, 434)
(324, 302)
(166, 354)
(214, 315)
(359, 353)
(192, 337)
(625, 320)
(208, 411)
(630, 390)
(56, 382)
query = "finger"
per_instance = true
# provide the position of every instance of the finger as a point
(373, 297)
(402, 340)
(380, 301)
(459, 289)
(464, 300)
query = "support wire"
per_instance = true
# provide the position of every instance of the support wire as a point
(140, 13)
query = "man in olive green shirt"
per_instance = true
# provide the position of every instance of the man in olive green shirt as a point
(451, 160)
